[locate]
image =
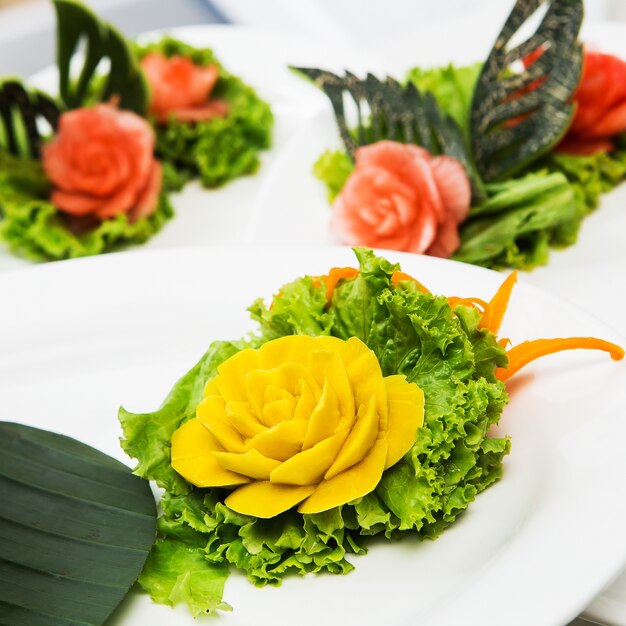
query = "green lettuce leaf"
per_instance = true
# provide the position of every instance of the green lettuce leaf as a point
(298, 309)
(523, 218)
(592, 175)
(33, 228)
(453, 361)
(519, 221)
(177, 571)
(147, 435)
(453, 88)
(452, 460)
(219, 149)
(333, 168)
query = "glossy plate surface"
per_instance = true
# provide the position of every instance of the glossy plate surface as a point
(81, 338)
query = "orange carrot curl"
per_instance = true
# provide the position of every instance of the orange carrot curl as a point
(396, 277)
(334, 276)
(528, 351)
(475, 302)
(504, 342)
(495, 310)
(493, 313)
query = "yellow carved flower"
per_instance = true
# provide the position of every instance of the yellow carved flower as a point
(302, 420)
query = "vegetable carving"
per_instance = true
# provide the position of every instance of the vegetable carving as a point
(300, 421)
(124, 80)
(518, 116)
(363, 405)
(22, 112)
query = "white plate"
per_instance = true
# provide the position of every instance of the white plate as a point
(292, 205)
(261, 58)
(588, 273)
(79, 338)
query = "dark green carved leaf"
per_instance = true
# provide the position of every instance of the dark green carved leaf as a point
(77, 25)
(388, 110)
(519, 113)
(76, 527)
(22, 116)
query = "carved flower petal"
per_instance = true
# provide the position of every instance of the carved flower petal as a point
(243, 419)
(306, 402)
(273, 393)
(328, 366)
(211, 388)
(352, 483)
(251, 463)
(281, 441)
(264, 499)
(365, 374)
(212, 413)
(193, 447)
(286, 376)
(290, 349)
(324, 419)
(309, 466)
(406, 415)
(232, 375)
(278, 411)
(360, 440)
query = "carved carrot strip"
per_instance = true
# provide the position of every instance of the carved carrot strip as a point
(528, 351)
(396, 277)
(334, 276)
(495, 310)
(475, 302)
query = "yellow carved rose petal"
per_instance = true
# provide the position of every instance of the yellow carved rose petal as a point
(231, 379)
(282, 441)
(287, 376)
(328, 366)
(361, 438)
(363, 371)
(291, 349)
(306, 402)
(251, 463)
(309, 466)
(352, 483)
(406, 415)
(192, 457)
(276, 393)
(212, 413)
(324, 419)
(278, 411)
(243, 419)
(265, 499)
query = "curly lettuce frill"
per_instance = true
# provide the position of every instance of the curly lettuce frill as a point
(453, 459)
(32, 227)
(219, 149)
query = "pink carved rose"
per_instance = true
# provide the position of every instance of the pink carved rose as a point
(181, 89)
(101, 164)
(400, 197)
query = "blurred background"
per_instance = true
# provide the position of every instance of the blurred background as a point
(27, 38)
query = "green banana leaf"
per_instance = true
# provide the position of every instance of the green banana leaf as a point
(76, 527)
